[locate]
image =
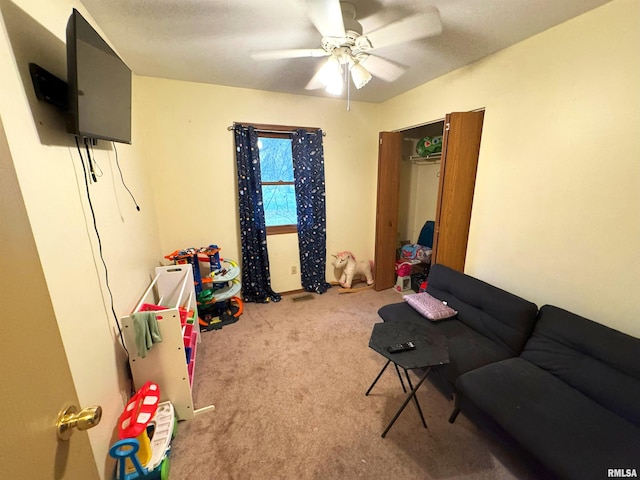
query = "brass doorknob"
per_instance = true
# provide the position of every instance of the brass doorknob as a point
(70, 418)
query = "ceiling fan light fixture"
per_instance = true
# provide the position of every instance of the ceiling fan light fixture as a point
(331, 75)
(347, 47)
(359, 75)
(330, 69)
(334, 85)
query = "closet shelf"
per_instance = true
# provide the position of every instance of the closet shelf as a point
(428, 160)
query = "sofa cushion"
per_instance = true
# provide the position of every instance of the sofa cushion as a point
(570, 433)
(500, 316)
(602, 363)
(468, 349)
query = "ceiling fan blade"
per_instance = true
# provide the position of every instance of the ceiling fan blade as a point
(382, 68)
(421, 25)
(326, 16)
(289, 53)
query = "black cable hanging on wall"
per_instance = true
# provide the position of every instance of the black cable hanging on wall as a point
(95, 227)
(122, 177)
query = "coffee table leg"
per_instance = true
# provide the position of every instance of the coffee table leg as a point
(379, 375)
(406, 401)
(400, 377)
(415, 399)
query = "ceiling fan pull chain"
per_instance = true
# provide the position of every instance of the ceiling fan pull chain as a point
(346, 79)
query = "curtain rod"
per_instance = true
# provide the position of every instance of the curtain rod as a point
(231, 127)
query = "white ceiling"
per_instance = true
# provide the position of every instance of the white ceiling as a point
(211, 41)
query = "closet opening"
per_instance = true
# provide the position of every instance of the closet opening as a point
(426, 179)
(419, 174)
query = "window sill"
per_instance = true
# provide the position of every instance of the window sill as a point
(281, 229)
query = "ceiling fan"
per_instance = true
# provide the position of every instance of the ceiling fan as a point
(352, 52)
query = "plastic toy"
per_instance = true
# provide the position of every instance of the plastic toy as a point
(145, 429)
(346, 262)
(429, 145)
(217, 293)
(194, 256)
(217, 315)
(403, 270)
(220, 305)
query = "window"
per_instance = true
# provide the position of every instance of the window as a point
(278, 189)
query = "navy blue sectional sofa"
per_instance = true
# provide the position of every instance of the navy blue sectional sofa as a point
(491, 324)
(567, 389)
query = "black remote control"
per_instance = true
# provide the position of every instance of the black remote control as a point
(401, 347)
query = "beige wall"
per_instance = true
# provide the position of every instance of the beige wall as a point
(191, 157)
(418, 198)
(556, 215)
(50, 179)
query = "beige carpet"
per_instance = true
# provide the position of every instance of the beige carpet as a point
(288, 382)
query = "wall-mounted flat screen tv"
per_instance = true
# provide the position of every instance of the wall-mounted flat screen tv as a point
(99, 85)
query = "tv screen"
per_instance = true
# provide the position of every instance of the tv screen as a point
(99, 85)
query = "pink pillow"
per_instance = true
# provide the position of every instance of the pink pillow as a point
(429, 307)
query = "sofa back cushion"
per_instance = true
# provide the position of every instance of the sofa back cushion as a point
(602, 363)
(498, 315)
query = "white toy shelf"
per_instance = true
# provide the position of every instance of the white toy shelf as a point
(171, 362)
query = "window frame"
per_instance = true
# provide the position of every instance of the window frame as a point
(279, 229)
(277, 131)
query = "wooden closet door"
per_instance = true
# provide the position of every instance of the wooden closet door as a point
(460, 149)
(389, 153)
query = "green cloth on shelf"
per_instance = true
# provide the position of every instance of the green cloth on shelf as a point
(145, 325)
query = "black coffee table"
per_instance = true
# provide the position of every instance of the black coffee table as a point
(431, 351)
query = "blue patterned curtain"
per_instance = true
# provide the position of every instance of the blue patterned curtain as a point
(308, 166)
(256, 279)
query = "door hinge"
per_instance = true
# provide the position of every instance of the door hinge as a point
(380, 140)
(446, 127)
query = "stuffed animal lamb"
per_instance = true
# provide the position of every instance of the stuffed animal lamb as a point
(351, 268)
